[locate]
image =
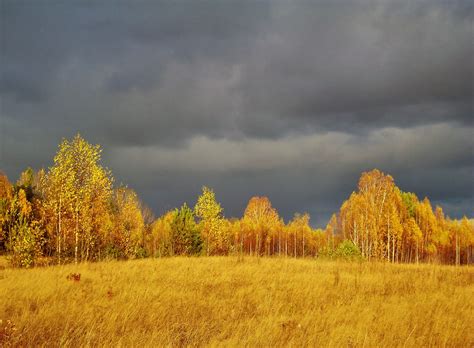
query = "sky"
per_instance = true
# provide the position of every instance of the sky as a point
(288, 99)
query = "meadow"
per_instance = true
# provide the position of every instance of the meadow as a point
(227, 301)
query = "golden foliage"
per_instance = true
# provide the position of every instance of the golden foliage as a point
(83, 217)
(209, 211)
(386, 223)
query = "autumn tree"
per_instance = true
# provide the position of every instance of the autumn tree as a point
(159, 242)
(185, 236)
(331, 231)
(127, 238)
(426, 220)
(371, 217)
(148, 218)
(77, 191)
(5, 187)
(412, 238)
(387, 223)
(302, 234)
(261, 223)
(6, 194)
(209, 211)
(233, 231)
(462, 239)
(26, 236)
(20, 219)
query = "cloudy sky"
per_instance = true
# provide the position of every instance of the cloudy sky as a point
(288, 99)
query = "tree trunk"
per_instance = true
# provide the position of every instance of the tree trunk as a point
(59, 232)
(77, 237)
(279, 243)
(417, 254)
(257, 245)
(458, 258)
(388, 238)
(295, 244)
(393, 249)
(303, 245)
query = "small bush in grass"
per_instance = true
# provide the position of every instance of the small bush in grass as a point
(346, 250)
(113, 252)
(140, 253)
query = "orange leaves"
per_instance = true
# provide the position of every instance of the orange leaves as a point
(23, 204)
(259, 209)
(386, 223)
(85, 218)
(375, 182)
(127, 221)
(260, 223)
(6, 187)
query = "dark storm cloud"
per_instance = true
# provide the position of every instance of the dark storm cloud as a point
(362, 63)
(288, 99)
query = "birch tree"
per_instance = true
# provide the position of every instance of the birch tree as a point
(77, 193)
(209, 211)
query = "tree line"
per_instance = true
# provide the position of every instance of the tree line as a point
(73, 212)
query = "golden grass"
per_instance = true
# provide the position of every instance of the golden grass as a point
(219, 301)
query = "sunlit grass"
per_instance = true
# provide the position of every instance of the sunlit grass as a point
(220, 301)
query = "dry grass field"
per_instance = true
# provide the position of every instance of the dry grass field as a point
(221, 301)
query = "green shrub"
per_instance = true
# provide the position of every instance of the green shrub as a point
(140, 253)
(113, 252)
(25, 244)
(345, 250)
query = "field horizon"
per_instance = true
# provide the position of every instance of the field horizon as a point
(234, 301)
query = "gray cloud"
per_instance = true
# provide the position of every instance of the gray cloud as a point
(288, 99)
(307, 172)
(361, 64)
